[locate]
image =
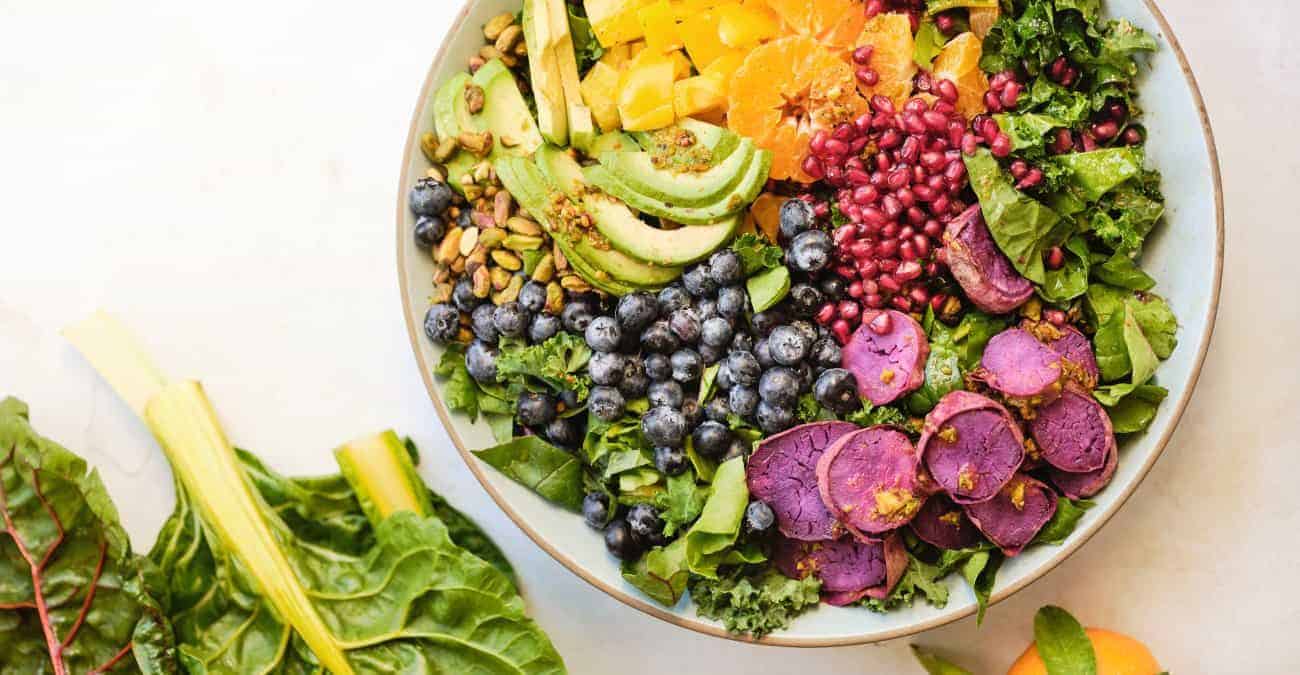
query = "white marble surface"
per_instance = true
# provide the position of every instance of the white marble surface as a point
(222, 175)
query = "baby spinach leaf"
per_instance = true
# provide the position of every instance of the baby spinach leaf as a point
(540, 467)
(459, 390)
(1134, 408)
(1062, 643)
(709, 541)
(1134, 330)
(1071, 280)
(661, 573)
(953, 352)
(1021, 226)
(934, 664)
(1067, 516)
(1120, 270)
(1093, 174)
(754, 602)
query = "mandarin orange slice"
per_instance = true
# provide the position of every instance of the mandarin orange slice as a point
(786, 90)
(835, 22)
(982, 19)
(890, 37)
(960, 62)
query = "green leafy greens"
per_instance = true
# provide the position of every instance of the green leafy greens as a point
(539, 466)
(1062, 643)
(754, 602)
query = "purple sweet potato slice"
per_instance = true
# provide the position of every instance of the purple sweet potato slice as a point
(783, 473)
(1076, 349)
(869, 480)
(849, 569)
(1084, 485)
(971, 446)
(1073, 433)
(1015, 363)
(1012, 518)
(944, 524)
(895, 566)
(984, 273)
(887, 364)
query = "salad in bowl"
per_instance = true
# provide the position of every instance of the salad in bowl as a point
(797, 303)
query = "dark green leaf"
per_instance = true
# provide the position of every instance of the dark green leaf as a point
(1071, 280)
(1067, 516)
(1022, 227)
(539, 466)
(934, 665)
(919, 580)
(754, 602)
(1133, 410)
(559, 362)
(1062, 643)
(1120, 270)
(756, 253)
(680, 504)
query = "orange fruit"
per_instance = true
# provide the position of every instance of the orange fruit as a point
(890, 37)
(1117, 654)
(835, 22)
(786, 90)
(960, 62)
(982, 19)
(766, 214)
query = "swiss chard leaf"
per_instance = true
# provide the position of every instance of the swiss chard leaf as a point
(73, 596)
(540, 467)
(661, 573)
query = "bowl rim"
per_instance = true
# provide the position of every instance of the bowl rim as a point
(426, 372)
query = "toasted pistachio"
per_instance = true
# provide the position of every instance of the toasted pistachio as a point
(508, 141)
(440, 273)
(545, 269)
(474, 99)
(429, 145)
(476, 258)
(501, 205)
(491, 191)
(436, 172)
(522, 242)
(554, 297)
(510, 293)
(481, 282)
(561, 263)
(505, 42)
(491, 237)
(521, 48)
(507, 259)
(489, 52)
(500, 277)
(479, 145)
(472, 191)
(453, 212)
(468, 240)
(482, 219)
(482, 171)
(522, 225)
(509, 60)
(466, 179)
(493, 28)
(575, 283)
(449, 247)
(446, 149)
(441, 293)
(457, 266)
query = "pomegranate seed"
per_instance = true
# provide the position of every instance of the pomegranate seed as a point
(843, 235)
(934, 120)
(1055, 258)
(868, 269)
(1010, 95)
(818, 143)
(932, 228)
(812, 167)
(945, 23)
(933, 160)
(850, 311)
(916, 105)
(936, 183)
(1057, 69)
(860, 249)
(906, 198)
(836, 148)
(1117, 111)
(873, 300)
(855, 289)
(1070, 76)
(944, 108)
(846, 271)
(991, 102)
(969, 144)
(954, 172)
(854, 212)
(820, 209)
(923, 192)
(1031, 179)
(1104, 131)
(933, 267)
(862, 55)
(889, 231)
(844, 132)
(919, 295)
(913, 123)
(1019, 168)
(888, 248)
(893, 209)
(947, 91)
(858, 144)
(940, 204)
(901, 303)
(937, 301)
(825, 314)
(919, 175)
(889, 139)
(897, 178)
(841, 327)
(855, 163)
(915, 216)
(909, 270)
(883, 163)
(857, 178)
(882, 104)
(1000, 79)
(1001, 146)
(882, 323)
(867, 76)
(922, 245)
(914, 20)
(874, 216)
(865, 195)
(875, 7)
(863, 123)
(1063, 142)
(908, 251)
(1089, 143)
(834, 174)
(1132, 136)
(1054, 316)
(888, 283)
(911, 149)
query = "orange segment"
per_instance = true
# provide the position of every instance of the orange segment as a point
(744, 27)
(784, 91)
(960, 62)
(766, 213)
(836, 22)
(890, 36)
(982, 19)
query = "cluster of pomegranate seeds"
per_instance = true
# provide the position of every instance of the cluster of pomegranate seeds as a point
(1004, 92)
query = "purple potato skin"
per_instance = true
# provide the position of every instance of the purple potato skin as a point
(984, 451)
(1073, 432)
(844, 565)
(853, 471)
(984, 273)
(895, 565)
(1015, 363)
(1011, 526)
(1075, 348)
(1084, 485)
(887, 366)
(783, 473)
(931, 526)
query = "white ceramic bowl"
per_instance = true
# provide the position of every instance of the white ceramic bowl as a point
(1185, 256)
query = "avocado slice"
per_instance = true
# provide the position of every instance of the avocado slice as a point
(451, 117)
(728, 205)
(626, 231)
(544, 73)
(680, 188)
(608, 269)
(504, 112)
(582, 130)
(717, 139)
(614, 141)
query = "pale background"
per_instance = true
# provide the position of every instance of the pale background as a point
(222, 175)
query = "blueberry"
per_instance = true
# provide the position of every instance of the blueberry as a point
(673, 298)
(658, 368)
(779, 386)
(738, 447)
(634, 382)
(671, 461)
(788, 345)
(620, 542)
(725, 267)
(569, 398)
(605, 368)
(664, 426)
(763, 353)
(465, 219)
(685, 325)
(533, 296)
(429, 197)
(595, 510)
(764, 322)
(442, 322)
(742, 400)
(564, 432)
(825, 353)
(837, 389)
(832, 288)
(711, 354)
(603, 334)
(716, 332)
(805, 373)
(692, 411)
(687, 365)
(759, 516)
(716, 409)
(742, 342)
(576, 316)
(462, 295)
(535, 409)
(806, 329)
(659, 338)
(666, 393)
(711, 439)
(543, 327)
(773, 418)
(810, 251)
(732, 301)
(796, 217)
(510, 319)
(723, 379)
(429, 230)
(805, 300)
(646, 524)
(706, 309)
(606, 403)
(744, 367)
(699, 281)
(481, 323)
(630, 343)
(481, 361)
(636, 311)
